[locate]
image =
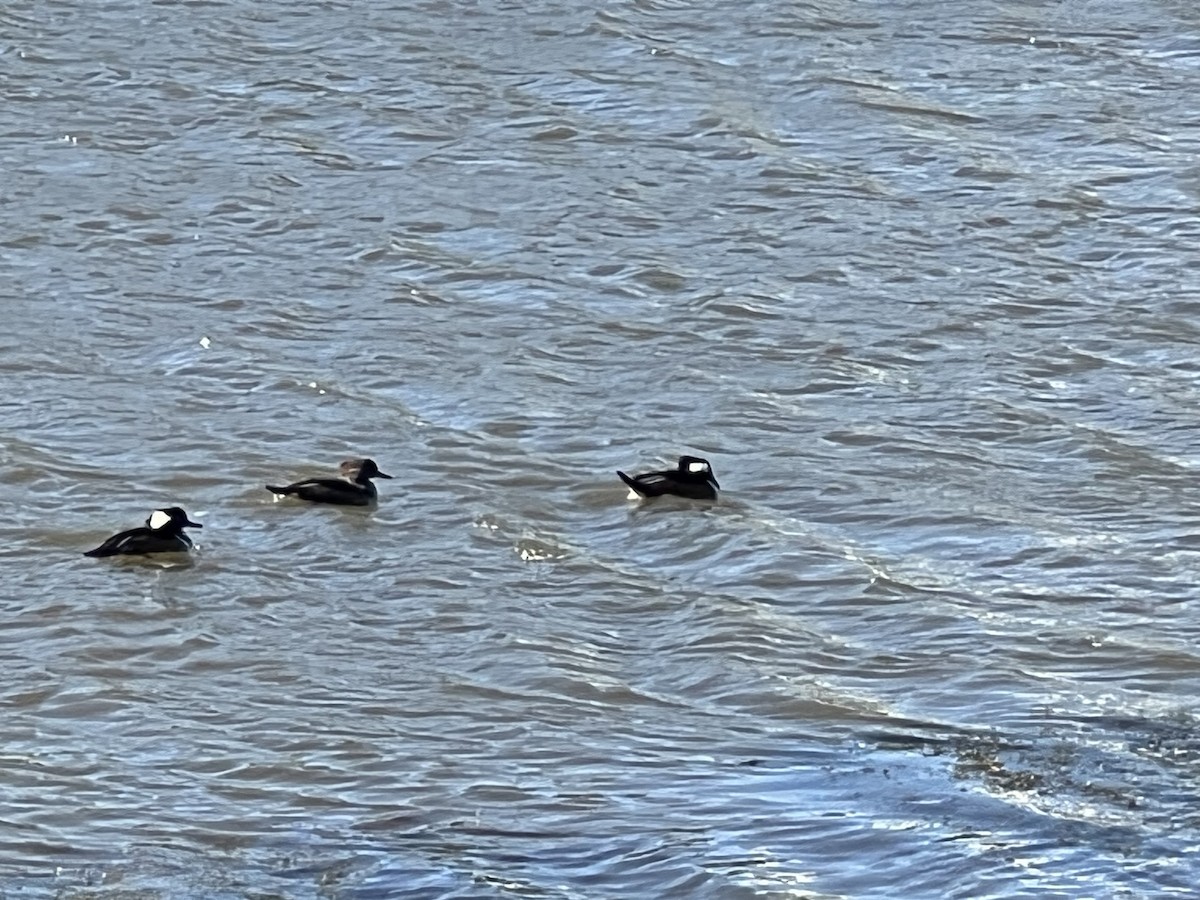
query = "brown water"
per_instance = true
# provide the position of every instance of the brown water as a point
(919, 278)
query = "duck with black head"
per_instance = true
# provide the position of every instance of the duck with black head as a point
(692, 478)
(163, 534)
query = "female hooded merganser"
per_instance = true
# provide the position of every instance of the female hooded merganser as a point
(163, 534)
(352, 488)
(693, 478)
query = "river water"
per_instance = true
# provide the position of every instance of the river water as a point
(919, 278)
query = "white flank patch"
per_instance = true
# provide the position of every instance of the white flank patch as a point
(633, 495)
(158, 519)
(697, 467)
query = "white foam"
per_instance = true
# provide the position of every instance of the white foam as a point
(158, 519)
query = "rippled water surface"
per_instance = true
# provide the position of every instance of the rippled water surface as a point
(920, 278)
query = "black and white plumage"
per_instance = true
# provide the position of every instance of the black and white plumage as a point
(692, 478)
(163, 534)
(352, 487)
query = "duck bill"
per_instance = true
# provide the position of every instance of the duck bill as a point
(379, 474)
(715, 484)
(188, 523)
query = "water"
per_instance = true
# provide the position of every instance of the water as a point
(917, 277)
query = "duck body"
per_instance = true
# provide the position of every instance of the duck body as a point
(692, 478)
(163, 533)
(352, 487)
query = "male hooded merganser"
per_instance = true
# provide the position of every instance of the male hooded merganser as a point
(692, 478)
(352, 488)
(163, 534)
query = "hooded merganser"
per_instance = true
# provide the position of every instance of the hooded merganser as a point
(692, 478)
(352, 487)
(163, 534)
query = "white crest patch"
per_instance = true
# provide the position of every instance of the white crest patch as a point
(697, 467)
(158, 519)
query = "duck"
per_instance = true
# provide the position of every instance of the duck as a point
(163, 533)
(352, 487)
(692, 478)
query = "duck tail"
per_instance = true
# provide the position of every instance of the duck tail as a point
(633, 486)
